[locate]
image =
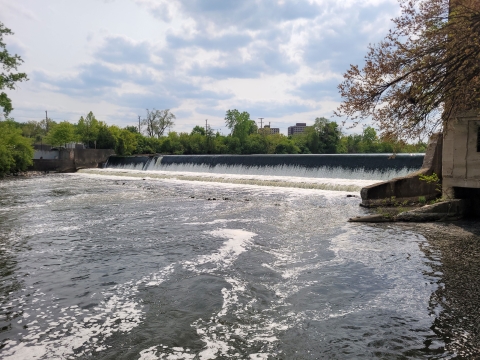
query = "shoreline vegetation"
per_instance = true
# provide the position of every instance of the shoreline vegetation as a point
(323, 137)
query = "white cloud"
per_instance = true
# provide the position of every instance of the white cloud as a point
(277, 59)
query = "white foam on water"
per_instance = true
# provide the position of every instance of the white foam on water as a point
(177, 353)
(80, 328)
(335, 184)
(217, 334)
(237, 243)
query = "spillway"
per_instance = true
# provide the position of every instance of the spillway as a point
(345, 166)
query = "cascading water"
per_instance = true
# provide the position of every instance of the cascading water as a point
(349, 172)
(357, 166)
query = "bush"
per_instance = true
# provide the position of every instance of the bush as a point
(16, 151)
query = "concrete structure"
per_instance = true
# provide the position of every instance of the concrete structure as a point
(69, 160)
(267, 130)
(461, 159)
(461, 153)
(297, 129)
(410, 187)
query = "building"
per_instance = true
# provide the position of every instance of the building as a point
(297, 129)
(267, 130)
(461, 157)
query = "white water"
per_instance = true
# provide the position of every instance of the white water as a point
(279, 170)
(328, 183)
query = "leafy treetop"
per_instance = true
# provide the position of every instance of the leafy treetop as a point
(8, 77)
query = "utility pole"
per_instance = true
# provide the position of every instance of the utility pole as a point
(46, 121)
(139, 125)
(261, 122)
(206, 127)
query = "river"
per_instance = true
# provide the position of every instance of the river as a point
(125, 264)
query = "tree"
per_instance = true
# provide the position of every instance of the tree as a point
(423, 72)
(240, 124)
(61, 134)
(158, 121)
(16, 151)
(87, 129)
(8, 77)
(319, 124)
(105, 138)
(132, 129)
(329, 138)
(198, 130)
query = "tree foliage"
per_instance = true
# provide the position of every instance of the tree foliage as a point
(8, 76)
(240, 124)
(323, 137)
(61, 134)
(87, 129)
(425, 70)
(16, 152)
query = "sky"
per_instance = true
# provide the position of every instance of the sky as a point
(280, 60)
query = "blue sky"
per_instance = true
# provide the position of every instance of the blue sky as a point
(277, 59)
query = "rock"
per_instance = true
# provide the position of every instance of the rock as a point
(423, 217)
(371, 218)
(442, 211)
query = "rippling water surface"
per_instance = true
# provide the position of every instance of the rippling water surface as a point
(95, 265)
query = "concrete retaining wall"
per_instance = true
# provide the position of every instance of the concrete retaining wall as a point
(410, 187)
(70, 160)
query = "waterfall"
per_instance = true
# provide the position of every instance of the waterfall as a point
(339, 166)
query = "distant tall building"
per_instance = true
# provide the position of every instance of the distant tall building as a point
(297, 129)
(268, 130)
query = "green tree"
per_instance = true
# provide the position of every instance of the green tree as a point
(87, 129)
(8, 78)
(255, 144)
(125, 141)
(240, 124)
(16, 151)
(61, 134)
(172, 145)
(329, 138)
(198, 130)
(105, 138)
(369, 137)
(132, 129)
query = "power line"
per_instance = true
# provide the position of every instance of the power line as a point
(261, 122)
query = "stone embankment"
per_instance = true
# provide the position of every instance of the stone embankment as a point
(408, 188)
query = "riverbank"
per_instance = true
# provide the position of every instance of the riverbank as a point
(454, 249)
(25, 174)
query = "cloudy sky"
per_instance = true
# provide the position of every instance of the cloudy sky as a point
(277, 59)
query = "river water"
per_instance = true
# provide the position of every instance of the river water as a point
(120, 264)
